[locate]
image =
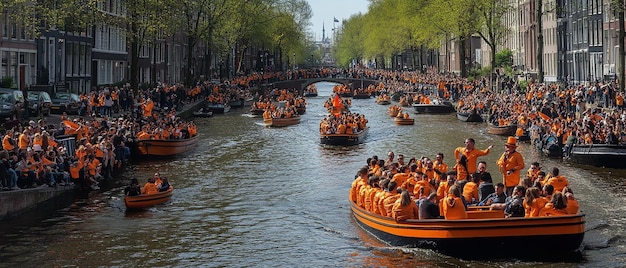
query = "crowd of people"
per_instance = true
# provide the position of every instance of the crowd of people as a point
(426, 189)
(87, 148)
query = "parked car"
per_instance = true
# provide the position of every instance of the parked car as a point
(11, 103)
(65, 102)
(39, 103)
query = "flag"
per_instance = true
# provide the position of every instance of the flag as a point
(335, 19)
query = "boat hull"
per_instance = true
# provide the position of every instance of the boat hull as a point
(599, 155)
(146, 201)
(433, 108)
(281, 122)
(165, 147)
(469, 117)
(403, 121)
(217, 108)
(343, 139)
(361, 96)
(508, 130)
(202, 114)
(510, 235)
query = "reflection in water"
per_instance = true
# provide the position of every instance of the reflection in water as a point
(251, 196)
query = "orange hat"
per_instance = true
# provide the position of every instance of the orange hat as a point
(511, 141)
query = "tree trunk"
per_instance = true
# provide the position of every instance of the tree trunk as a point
(191, 44)
(493, 66)
(539, 41)
(153, 73)
(462, 55)
(134, 61)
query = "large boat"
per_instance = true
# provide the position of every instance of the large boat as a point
(148, 200)
(165, 147)
(506, 130)
(281, 122)
(442, 108)
(344, 139)
(217, 108)
(469, 116)
(505, 236)
(599, 155)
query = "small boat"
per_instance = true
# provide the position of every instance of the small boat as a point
(527, 236)
(469, 117)
(237, 103)
(443, 108)
(311, 91)
(403, 121)
(148, 200)
(202, 113)
(361, 96)
(550, 146)
(217, 108)
(165, 147)
(599, 155)
(257, 112)
(344, 139)
(281, 122)
(508, 130)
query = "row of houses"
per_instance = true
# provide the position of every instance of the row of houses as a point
(79, 60)
(580, 41)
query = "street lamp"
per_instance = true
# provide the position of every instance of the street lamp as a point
(60, 48)
(294, 62)
(312, 62)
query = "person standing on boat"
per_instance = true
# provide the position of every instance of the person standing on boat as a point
(510, 164)
(472, 154)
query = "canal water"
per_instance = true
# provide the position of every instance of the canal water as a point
(252, 196)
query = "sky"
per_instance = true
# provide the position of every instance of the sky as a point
(325, 10)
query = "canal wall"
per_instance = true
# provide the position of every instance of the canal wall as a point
(16, 202)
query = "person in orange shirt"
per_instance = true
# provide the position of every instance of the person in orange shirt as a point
(470, 190)
(445, 186)
(471, 153)
(404, 208)
(149, 187)
(572, 203)
(8, 144)
(556, 207)
(452, 206)
(23, 141)
(510, 164)
(557, 181)
(533, 203)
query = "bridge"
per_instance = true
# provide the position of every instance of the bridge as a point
(301, 84)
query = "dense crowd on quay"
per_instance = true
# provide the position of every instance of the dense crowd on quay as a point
(571, 113)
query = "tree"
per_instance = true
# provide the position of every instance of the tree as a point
(494, 30)
(145, 21)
